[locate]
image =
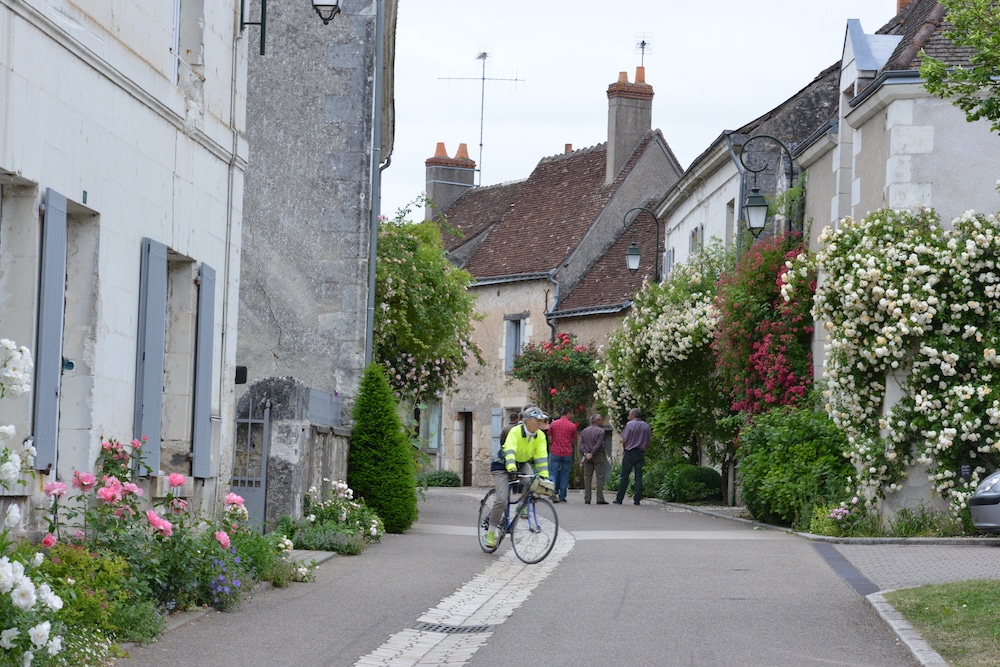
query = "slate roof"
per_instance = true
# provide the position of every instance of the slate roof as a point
(532, 226)
(922, 24)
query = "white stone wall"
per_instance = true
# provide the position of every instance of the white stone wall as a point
(91, 107)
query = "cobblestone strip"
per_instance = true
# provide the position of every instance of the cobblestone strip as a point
(487, 600)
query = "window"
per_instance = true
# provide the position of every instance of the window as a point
(697, 239)
(514, 335)
(668, 262)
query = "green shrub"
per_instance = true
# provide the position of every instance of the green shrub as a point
(791, 459)
(99, 592)
(439, 478)
(920, 521)
(848, 519)
(328, 536)
(686, 483)
(379, 464)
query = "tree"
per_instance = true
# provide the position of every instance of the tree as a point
(560, 374)
(379, 463)
(425, 313)
(975, 90)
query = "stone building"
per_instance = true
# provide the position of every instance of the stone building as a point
(311, 199)
(537, 249)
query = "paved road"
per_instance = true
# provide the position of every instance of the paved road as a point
(626, 585)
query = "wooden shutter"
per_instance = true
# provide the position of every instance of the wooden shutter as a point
(150, 349)
(201, 427)
(48, 348)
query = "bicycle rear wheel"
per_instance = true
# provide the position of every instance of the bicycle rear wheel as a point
(534, 535)
(485, 508)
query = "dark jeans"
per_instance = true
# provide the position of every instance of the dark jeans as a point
(631, 460)
(560, 469)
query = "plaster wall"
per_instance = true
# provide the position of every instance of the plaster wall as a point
(92, 108)
(710, 207)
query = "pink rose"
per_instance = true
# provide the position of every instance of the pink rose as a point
(49, 540)
(233, 499)
(79, 535)
(54, 489)
(84, 480)
(176, 479)
(129, 487)
(222, 538)
(178, 506)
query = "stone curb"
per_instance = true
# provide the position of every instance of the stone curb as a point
(921, 651)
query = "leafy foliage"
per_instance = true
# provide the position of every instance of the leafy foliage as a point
(379, 464)
(560, 374)
(660, 357)
(439, 478)
(424, 320)
(762, 341)
(790, 459)
(975, 90)
(687, 483)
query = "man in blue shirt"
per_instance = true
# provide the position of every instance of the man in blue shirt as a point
(635, 437)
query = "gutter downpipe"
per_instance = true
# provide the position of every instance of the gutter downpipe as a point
(555, 304)
(376, 167)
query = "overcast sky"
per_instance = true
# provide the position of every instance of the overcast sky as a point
(714, 65)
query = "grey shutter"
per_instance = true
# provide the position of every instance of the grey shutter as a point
(496, 415)
(510, 347)
(150, 349)
(48, 348)
(201, 427)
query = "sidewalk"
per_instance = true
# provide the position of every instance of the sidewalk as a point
(873, 566)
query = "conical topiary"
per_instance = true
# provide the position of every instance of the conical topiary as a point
(379, 463)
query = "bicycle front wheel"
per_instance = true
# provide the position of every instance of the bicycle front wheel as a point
(534, 531)
(485, 508)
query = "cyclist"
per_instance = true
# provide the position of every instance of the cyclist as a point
(523, 450)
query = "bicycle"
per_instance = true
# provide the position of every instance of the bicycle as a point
(533, 524)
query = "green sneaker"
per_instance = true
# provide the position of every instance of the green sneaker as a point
(523, 512)
(491, 539)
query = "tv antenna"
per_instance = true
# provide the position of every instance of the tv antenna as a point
(642, 45)
(482, 104)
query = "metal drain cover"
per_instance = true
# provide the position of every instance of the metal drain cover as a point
(453, 629)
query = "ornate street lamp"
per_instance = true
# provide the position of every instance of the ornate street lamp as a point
(756, 205)
(633, 254)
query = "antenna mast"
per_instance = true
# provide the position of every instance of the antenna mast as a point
(642, 45)
(482, 106)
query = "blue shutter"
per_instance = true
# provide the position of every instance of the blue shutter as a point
(201, 427)
(150, 349)
(48, 348)
(496, 417)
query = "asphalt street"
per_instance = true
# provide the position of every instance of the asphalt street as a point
(632, 585)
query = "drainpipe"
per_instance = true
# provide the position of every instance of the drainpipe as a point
(376, 167)
(555, 304)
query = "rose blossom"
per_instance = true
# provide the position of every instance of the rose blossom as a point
(176, 479)
(83, 480)
(222, 538)
(49, 540)
(54, 489)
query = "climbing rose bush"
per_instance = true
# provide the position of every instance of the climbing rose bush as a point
(559, 373)
(907, 302)
(662, 348)
(763, 336)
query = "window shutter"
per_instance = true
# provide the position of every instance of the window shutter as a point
(201, 428)
(48, 349)
(496, 416)
(150, 349)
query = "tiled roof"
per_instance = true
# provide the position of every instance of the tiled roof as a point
(922, 24)
(534, 225)
(609, 283)
(477, 211)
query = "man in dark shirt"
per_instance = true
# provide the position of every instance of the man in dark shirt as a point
(593, 458)
(635, 437)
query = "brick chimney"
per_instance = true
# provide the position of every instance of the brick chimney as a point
(900, 4)
(447, 178)
(630, 116)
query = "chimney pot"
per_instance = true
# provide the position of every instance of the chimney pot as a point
(901, 4)
(440, 151)
(463, 152)
(622, 77)
(569, 148)
(640, 72)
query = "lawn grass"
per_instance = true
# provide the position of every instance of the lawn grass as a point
(961, 620)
